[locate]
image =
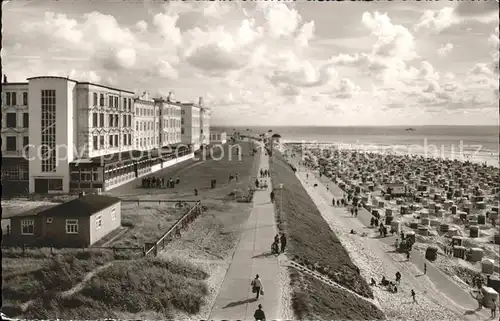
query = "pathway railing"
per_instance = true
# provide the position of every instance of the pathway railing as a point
(175, 230)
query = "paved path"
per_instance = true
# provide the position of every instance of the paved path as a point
(235, 300)
(446, 286)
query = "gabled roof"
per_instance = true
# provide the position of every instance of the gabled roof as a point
(87, 205)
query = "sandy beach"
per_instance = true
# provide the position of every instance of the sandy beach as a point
(376, 259)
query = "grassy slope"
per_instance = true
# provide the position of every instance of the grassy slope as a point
(311, 241)
(155, 286)
(130, 286)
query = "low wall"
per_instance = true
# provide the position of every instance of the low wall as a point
(154, 169)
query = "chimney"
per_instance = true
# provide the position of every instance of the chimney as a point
(200, 101)
(5, 79)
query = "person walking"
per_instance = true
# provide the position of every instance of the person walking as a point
(257, 287)
(271, 195)
(493, 308)
(356, 212)
(425, 268)
(413, 296)
(259, 314)
(283, 242)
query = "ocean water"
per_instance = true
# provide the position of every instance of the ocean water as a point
(472, 143)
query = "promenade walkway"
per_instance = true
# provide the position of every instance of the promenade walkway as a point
(448, 288)
(235, 300)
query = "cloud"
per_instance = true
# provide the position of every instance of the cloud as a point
(282, 21)
(290, 69)
(165, 70)
(90, 76)
(142, 26)
(436, 20)
(306, 33)
(346, 89)
(166, 25)
(445, 49)
(481, 69)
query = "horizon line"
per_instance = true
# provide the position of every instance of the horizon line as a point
(444, 125)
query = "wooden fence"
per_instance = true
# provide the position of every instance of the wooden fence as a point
(175, 230)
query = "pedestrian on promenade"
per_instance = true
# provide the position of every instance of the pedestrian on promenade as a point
(352, 211)
(257, 287)
(272, 196)
(257, 183)
(277, 238)
(259, 314)
(425, 268)
(333, 201)
(413, 296)
(283, 242)
(356, 212)
(493, 308)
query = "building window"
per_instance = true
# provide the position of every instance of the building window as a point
(110, 121)
(110, 101)
(26, 142)
(182, 131)
(72, 226)
(111, 141)
(25, 99)
(28, 227)
(101, 142)
(11, 143)
(94, 141)
(116, 102)
(98, 222)
(113, 214)
(11, 120)
(124, 103)
(129, 139)
(125, 140)
(7, 99)
(130, 104)
(101, 100)
(48, 131)
(101, 120)
(116, 120)
(94, 120)
(95, 99)
(124, 121)
(14, 98)
(26, 120)
(116, 140)
(55, 184)
(137, 126)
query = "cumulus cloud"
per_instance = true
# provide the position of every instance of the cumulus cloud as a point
(306, 33)
(282, 20)
(346, 89)
(436, 20)
(142, 26)
(445, 49)
(167, 26)
(165, 70)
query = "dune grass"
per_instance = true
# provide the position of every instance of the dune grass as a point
(327, 303)
(162, 286)
(312, 243)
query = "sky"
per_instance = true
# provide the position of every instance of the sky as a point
(273, 63)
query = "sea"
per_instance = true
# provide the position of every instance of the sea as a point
(466, 143)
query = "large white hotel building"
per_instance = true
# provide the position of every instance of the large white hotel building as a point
(61, 135)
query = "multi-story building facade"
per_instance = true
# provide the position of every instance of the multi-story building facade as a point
(15, 135)
(204, 123)
(170, 121)
(191, 125)
(59, 135)
(147, 118)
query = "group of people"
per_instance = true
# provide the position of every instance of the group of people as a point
(261, 183)
(264, 173)
(159, 182)
(275, 247)
(258, 289)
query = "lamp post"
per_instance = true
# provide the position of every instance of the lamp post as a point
(281, 198)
